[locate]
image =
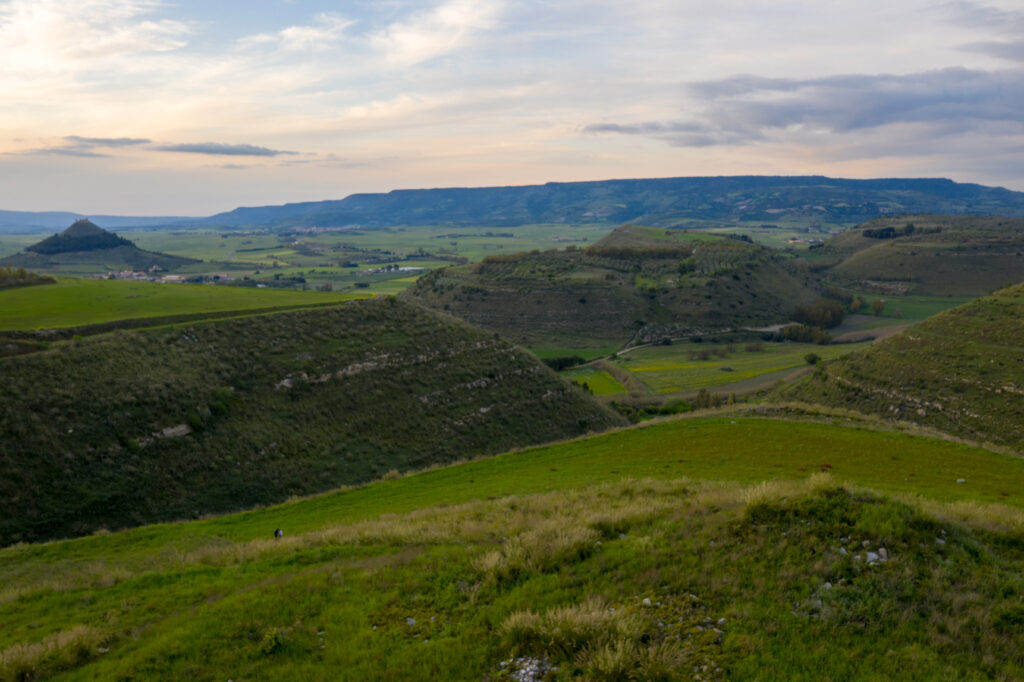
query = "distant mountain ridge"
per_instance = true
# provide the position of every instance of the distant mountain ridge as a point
(661, 202)
(28, 222)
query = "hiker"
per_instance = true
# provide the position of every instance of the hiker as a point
(278, 533)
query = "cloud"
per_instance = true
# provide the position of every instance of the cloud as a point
(977, 15)
(105, 141)
(54, 35)
(221, 149)
(430, 34)
(84, 147)
(325, 33)
(1011, 51)
(747, 109)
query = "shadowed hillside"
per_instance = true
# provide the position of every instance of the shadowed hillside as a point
(638, 283)
(134, 427)
(929, 255)
(961, 371)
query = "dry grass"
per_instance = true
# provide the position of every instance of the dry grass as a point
(59, 651)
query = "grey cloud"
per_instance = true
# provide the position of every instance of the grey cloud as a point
(220, 149)
(66, 151)
(976, 15)
(1013, 51)
(84, 147)
(749, 108)
(77, 140)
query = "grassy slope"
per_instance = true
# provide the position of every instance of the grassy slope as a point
(217, 598)
(586, 299)
(76, 302)
(281, 404)
(961, 371)
(969, 256)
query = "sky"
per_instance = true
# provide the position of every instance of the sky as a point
(152, 107)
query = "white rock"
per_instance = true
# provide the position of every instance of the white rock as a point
(883, 554)
(961, 480)
(872, 557)
(647, 602)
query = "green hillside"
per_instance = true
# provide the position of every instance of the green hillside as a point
(604, 558)
(961, 371)
(638, 284)
(86, 247)
(175, 422)
(929, 255)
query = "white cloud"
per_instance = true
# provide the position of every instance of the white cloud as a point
(56, 35)
(324, 34)
(430, 34)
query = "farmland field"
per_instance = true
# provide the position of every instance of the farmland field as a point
(75, 302)
(682, 367)
(599, 381)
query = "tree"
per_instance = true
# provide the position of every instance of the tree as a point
(812, 358)
(877, 306)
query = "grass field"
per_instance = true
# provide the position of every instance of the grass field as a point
(469, 242)
(562, 554)
(733, 448)
(673, 369)
(76, 302)
(913, 308)
(599, 381)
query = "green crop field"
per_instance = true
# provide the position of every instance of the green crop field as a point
(626, 555)
(913, 307)
(599, 381)
(75, 302)
(675, 369)
(472, 243)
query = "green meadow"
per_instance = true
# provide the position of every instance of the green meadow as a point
(683, 368)
(597, 380)
(720, 548)
(76, 302)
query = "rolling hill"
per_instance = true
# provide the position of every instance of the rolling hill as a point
(184, 420)
(638, 283)
(85, 244)
(961, 372)
(929, 255)
(612, 557)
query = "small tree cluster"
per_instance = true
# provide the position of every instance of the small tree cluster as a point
(824, 313)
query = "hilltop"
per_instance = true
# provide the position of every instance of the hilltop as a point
(86, 244)
(179, 421)
(811, 201)
(612, 557)
(931, 255)
(961, 372)
(638, 283)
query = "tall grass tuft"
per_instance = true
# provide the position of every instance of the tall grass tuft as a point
(59, 651)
